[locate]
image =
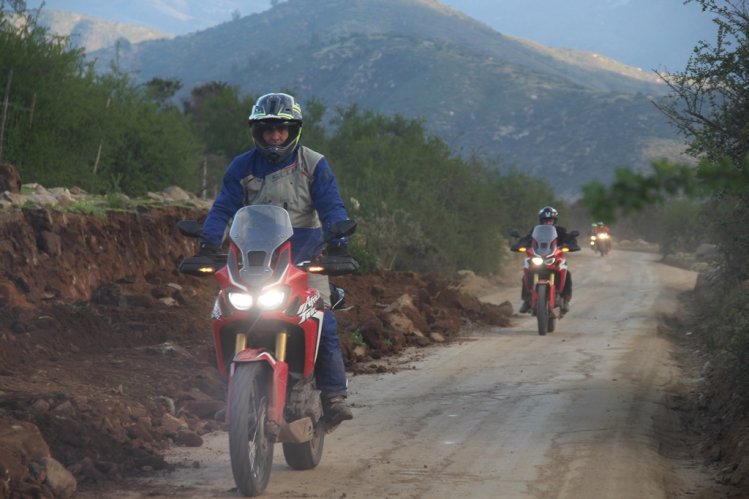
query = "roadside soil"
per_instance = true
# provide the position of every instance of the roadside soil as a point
(106, 359)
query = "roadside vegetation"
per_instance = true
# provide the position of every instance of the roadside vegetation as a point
(706, 203)
(421, 207)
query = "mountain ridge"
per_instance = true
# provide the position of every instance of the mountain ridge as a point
(565, 116)
(91, 33)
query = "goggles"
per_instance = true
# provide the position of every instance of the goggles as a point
(273, 126)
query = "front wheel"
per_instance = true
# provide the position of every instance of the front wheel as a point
(249, 446)
(306, 455)
(542, 310)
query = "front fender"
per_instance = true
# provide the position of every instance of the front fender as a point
(278, 380)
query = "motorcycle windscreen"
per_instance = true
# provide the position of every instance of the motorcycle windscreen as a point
(544, 239)
(258, 231)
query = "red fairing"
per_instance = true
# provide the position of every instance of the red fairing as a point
(554, 263)
(300, 317)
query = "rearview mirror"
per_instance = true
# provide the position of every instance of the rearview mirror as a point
(190, 228)
(342, 228)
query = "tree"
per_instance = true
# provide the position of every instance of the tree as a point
(710, 99)
(68, 126)
(710, 106)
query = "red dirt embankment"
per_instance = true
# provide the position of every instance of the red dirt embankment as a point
(105, 354)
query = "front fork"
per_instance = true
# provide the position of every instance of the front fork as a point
(279, 368)
(551, 295)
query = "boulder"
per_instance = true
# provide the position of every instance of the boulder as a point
(10, 179)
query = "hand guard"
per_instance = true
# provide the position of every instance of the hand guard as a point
(337, 250)
(339, 265)
(207, 249)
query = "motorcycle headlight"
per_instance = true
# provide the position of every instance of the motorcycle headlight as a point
(550, 260)
(272, 299)
(537, 260)
(592, 238)
(603, 236)
(240, 301)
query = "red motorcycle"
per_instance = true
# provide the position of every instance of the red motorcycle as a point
(545, 273)
(600, 242)
(267, 323)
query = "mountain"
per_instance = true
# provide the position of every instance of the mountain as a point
(641, 33)
(91, 33)
(563, 115)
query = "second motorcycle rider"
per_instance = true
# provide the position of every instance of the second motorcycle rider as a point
(549, 215)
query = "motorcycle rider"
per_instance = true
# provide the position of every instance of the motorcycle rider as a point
(279, 170)
(600, 228)
(548, 215)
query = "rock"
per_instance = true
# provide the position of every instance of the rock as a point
(62, 195)
(400, 322)
(65, 409)
(50, 243)
(203, 409)
(61, 481)
(21, 444)
(10, 179)
(40, 406)
(171, 424)
(187, 438)
(11, 297)
(174, 193)
(436, 337)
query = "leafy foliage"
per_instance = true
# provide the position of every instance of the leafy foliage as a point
(483, 93)
(67, 126)
(421, 207)
(710, 98)
(709, 104)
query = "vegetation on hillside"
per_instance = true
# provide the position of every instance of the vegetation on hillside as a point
(482, 92)
(420, 206)
(710, 106)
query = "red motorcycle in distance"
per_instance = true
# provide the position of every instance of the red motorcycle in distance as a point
(267, 323)
(544, 273)
(600, 243)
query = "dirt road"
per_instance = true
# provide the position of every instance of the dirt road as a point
(578, 413)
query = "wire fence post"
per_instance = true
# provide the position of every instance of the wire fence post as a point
(5, 113)
(101, 142)
(204, 183)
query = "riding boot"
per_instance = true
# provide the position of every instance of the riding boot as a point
(335, 410)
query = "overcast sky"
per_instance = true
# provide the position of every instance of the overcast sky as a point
(650, 34)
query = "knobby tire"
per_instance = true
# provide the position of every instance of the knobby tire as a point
(250, 449)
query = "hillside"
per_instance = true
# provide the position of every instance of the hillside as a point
(565, 116)
(93, 34)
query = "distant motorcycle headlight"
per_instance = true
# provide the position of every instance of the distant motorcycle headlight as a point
(272, 299)
(603, 236)
(550, 260)
(537, 260)
(240, 301)
(592, 238)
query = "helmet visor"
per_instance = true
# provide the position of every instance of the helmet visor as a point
(270, 126)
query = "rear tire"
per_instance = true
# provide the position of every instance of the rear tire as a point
(250, 449)
(542, 311)
(306, 455)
